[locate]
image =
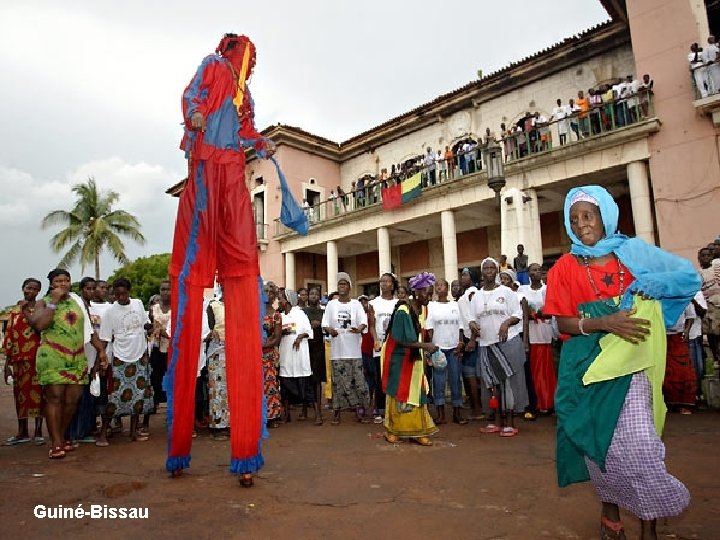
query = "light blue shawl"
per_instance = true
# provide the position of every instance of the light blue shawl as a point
(658, 274)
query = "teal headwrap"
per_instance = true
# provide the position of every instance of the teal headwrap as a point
(661, 275)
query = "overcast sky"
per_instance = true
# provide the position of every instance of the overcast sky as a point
(93, 89)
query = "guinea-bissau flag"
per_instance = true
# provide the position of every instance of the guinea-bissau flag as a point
(402, 193)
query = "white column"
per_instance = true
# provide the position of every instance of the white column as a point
(290, 270)
(383, 240)
(520, 224)
(449, 240)
(640, 200)
(332, 264)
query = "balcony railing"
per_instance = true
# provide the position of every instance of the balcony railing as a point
(599, 120)
(705, 79)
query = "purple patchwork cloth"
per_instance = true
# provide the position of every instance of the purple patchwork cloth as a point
(635, 476)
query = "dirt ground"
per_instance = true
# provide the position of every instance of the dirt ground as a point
(342, 481)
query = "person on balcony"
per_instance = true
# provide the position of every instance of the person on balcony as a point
(559, 114)
(710, 59)
(698, 69)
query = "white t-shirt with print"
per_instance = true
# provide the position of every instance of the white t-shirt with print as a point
(540, 330)
(443, 319)
(125, 327)
(342, 317)
(690, 313)
(97, 312)
(383, 311)
(464, 307)
(489, 309)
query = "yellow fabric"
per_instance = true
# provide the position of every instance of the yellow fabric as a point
(328, 372)
(620, 357)
(407, 421)
(240, 95)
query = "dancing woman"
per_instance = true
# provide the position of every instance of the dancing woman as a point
(609, 404)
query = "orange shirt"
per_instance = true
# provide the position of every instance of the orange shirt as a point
(584, 105)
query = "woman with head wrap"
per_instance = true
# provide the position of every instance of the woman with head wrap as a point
(403, 378)
(296, 384)
(345, 320)
(494, 316)
(613, 296)
(20, 346)
(61, 319)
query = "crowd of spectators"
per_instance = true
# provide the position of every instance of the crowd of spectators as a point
(604, 108)
(705, 68)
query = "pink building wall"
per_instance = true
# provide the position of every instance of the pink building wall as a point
(298, 167)
(684, 163)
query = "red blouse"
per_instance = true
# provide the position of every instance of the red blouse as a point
(568, 284)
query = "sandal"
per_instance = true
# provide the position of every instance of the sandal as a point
(56, 452)
(423, 441)
(530, 416)
(611, 530)
(509, 432)
(69, 446)
(490, 428)
(140, 437)
(246, 481)
(391, 438)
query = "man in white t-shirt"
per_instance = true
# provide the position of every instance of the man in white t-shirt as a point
(123, 324)
(344, 320)
(381, 309)
(97, 309)
(444, 327)
(695, 311)
(469, 359)
(559, 113)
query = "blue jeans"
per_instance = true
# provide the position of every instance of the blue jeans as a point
(369, 372)
(440, 376)
(696, 355)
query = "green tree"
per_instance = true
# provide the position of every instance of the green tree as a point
(145, 275)
(91, 226)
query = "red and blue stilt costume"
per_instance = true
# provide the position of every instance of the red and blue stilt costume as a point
(215, 231)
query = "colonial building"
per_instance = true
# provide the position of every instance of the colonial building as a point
(657, 153)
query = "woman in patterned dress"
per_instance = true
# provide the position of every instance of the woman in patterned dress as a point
(62, 321)
(272, 329)
(20, 347)
(217, 374)
(613, 296)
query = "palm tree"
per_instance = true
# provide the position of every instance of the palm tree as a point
(91, 226)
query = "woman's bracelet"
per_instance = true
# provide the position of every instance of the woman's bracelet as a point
(580, 327)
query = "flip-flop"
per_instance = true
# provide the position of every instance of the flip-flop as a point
(12, 441)
(490, 428)
(39, 441)
(102, 443)
(509, 432)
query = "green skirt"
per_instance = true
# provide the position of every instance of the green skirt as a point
(56, 364)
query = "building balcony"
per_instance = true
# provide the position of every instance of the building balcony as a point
(611, 125)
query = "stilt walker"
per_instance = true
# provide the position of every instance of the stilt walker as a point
(215, 231)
